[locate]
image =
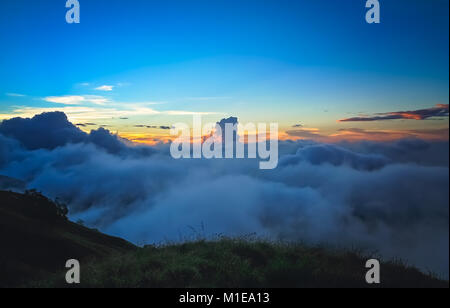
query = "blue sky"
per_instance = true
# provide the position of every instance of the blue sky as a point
(284, 61)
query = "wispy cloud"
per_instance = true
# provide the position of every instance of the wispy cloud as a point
(97, 100)
(76, 99)
(440, 110)
(81, 113)
(182, 112)
(65, 100)
(385, 135)
(15, 94)
(105, 88)
(207, 98)
(358, 134)
(305, 133)
(84, 108)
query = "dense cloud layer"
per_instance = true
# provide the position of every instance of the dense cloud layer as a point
(391, 197)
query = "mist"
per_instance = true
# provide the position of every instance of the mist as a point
(390, 197)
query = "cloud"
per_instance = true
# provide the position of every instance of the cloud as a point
(297, 125)
(165, 127)
(95, 99)
(308, 133)
(440, 110)
(52, 130)
(83, 113)
(86, 124)
(76, 99)
(47, 130)
(65, 100)
(15, 95)
(182, 113)
(105, 88)
(385, 135)
(360, 134)
(77, 109)
(386, 196)
(336, 156)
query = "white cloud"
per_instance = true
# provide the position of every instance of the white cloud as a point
(79, 113)
(65, 100)
(92, 107)
(96, 99)
(15, 95)
(105, 88)
(77, 99)
(182, 112)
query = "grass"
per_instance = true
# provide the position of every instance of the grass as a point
(237, 263)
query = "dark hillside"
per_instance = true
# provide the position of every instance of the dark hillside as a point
(37, 239)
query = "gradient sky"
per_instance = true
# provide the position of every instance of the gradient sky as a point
(153, 63)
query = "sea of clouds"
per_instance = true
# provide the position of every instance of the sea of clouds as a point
(388, 197)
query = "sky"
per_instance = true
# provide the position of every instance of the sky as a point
(315, 67)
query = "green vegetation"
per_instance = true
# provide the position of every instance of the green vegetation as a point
(239, 263)
(36, 246)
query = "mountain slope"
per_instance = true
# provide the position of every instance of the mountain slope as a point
(36, 239)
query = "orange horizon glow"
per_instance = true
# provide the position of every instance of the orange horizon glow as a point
(349, 135)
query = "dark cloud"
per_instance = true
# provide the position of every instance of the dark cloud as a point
(47, 130)
(85, 124)
(297, 125)
(152, 126)
(230, 120)
(391, 197)
(52, 130)
(305, 133)
(440, 110)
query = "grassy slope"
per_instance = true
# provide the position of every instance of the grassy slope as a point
(35, 241)
(35, 246)
(238, 263)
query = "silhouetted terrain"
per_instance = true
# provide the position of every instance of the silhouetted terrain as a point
(37, 239)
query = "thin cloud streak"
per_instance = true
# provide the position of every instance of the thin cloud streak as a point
(440, 110)
(15, 95)
(105, 88)
(77, 99)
